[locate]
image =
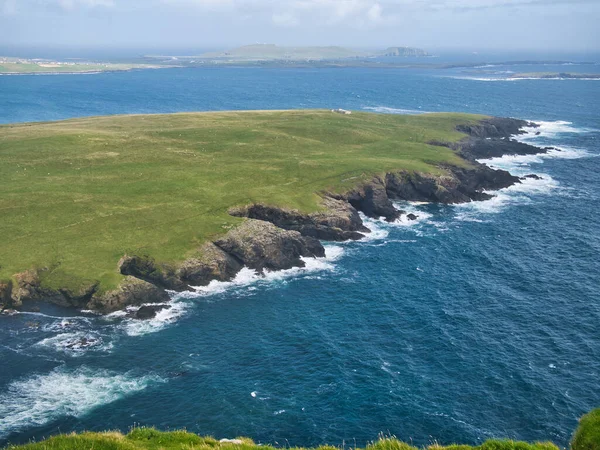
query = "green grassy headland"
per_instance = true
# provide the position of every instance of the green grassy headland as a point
(76, 195)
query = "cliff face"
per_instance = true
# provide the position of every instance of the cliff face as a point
(273, 238)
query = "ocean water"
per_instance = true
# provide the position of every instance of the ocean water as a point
(476, 321)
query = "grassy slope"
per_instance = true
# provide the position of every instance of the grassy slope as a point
(150, 439)
(78, 194)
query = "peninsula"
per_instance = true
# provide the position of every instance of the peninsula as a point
(104, 212)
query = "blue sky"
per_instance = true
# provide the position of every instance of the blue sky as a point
(472, 24)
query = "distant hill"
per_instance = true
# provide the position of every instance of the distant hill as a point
(404, 51)
(274, 52)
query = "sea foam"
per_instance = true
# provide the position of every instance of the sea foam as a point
(247, 277)
(40, 399)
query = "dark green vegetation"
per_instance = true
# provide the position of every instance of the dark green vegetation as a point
(77, 195)
(587, 437)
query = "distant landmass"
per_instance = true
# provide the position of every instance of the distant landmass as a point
(274, 52)
(557, 75)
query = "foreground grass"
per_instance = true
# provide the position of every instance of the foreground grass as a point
(151, 439)
(78, 194)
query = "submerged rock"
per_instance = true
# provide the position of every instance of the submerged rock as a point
(411, 216)
(532, 176)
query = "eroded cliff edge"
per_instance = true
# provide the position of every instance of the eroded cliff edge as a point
(273, 238)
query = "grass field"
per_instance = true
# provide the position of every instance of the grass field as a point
(77, 195)
(151, 439)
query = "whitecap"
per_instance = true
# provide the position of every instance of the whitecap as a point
(40, 399)
(516, 194)
(247, 277)
(550, 129)
(377, 227)
(76, 343)
(136, 327)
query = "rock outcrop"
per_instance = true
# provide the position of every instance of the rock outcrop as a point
(261, 245)
(373, 200)
(212, 263)
(338, 221)
(132, 291)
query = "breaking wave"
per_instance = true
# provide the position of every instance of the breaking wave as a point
(40, 399)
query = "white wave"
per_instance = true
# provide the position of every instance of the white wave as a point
(521, 164)
(40, 399)
(550, 130)
(388, 110)
(163, 318)
(516, 194)
(66, 324)
(247, 277)
(377, 227)
(75, 343)
(411, 208)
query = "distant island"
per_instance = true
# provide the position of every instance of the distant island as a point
(274, 52)
(116, 210)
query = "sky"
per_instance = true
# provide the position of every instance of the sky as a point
(563, 25)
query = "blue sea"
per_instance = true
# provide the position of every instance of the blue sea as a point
(475, 321)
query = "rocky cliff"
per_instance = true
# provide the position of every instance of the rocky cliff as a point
(274, 238)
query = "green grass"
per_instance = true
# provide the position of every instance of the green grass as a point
(587, 436)
(151, 439)
(78, 194)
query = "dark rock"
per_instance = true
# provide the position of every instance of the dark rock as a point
(338, 221)
(145, 268)
(458, 185)
(261, 245)
(372, 199)
(212, 263)
(533, 176)
(496, 127)
(537, 133)
(149, 311)
(132, 291)
(411, 216)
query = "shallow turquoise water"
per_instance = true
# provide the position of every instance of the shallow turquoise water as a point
(479, 320)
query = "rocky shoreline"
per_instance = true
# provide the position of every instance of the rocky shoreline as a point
(273, 238)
